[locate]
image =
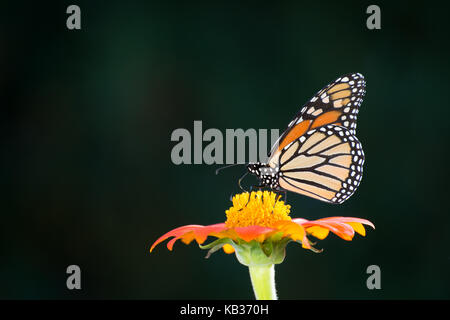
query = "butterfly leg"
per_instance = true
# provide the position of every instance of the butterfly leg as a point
(281, 191)
(250, 191)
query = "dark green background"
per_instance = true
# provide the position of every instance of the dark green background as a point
(87, 117)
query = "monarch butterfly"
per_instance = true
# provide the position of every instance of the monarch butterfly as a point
(318, 155)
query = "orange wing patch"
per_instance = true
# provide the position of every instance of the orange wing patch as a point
(295, 133)
(326, 118)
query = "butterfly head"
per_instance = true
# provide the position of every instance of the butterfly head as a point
(254, 168)
(267, 175)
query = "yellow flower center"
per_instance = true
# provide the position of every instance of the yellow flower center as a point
(256, 209)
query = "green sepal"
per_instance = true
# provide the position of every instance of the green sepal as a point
(311, 244)
(216, 245)
(254, 253)
(267, 248)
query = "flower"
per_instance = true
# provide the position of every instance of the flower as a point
(261, 216)
(257, 230)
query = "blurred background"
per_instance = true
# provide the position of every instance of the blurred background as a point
(87, 116)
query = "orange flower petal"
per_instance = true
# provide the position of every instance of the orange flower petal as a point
(202, 233)
(291, 229)
(358, 227)
(343, 227)
(295, 231)
(188, 233)
(318, 232)
(350, 219)
(252, 232)
(188, 237)
(355, 223)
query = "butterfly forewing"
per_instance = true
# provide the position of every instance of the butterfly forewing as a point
(337, 103)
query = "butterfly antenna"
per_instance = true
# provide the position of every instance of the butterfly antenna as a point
(228, 166)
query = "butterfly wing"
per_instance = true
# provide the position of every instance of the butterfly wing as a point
(325, 163)
(337, 103)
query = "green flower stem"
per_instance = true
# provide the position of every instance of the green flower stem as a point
(263, 281)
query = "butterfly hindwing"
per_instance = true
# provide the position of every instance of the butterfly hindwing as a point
(324, 163)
